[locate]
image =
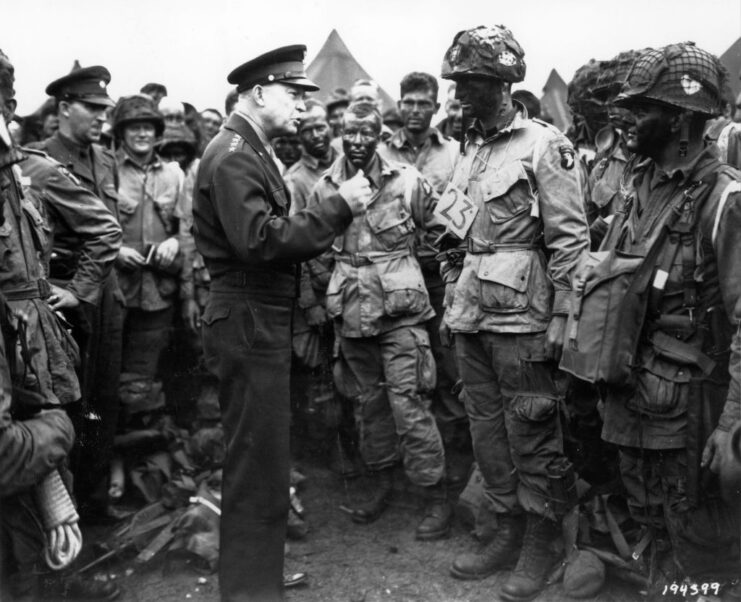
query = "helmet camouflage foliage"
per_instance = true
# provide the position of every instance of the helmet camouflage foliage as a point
(612, 75)
(680, 75)
(581, 87)
(7, 76)
(595, 86)
(485, 52)
(138, 107)
(590, 113)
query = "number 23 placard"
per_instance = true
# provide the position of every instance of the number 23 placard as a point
(456, 210)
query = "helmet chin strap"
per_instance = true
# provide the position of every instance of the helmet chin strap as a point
(684, 138)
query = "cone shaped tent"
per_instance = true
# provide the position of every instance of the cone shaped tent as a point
(731, 60)
(553, 101)
(335, 67)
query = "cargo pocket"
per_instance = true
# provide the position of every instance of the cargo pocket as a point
(533, 425)
(390, 225)
(404, 293)
(166, 285)
(603, 192)
(504, 279)
(5, 241)
(214, 313)
(662, 387)
(111, 195)
(126, 208)
(426, 371)
(335, 295)
(507, 192)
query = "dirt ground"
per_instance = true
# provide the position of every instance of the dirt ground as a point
(347, 562)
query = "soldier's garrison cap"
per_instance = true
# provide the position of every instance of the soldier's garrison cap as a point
(88, 84)
(283, 65)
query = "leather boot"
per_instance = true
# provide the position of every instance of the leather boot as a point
(536, 560)
(499, 553)
(438, 514)
(370, 511)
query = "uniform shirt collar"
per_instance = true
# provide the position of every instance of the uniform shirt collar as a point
(400, 140)
(379, 169)
(257, 127)
(518, 121)
(74, 147)
(315, 163)
(124, 157)
(682, 174)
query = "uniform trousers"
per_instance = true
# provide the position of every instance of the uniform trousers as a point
(101, 347)
(512, 406)
(247, 346)
(395, 373)
(704, 538)
(448, 408)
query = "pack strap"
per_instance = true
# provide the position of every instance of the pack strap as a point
(680, 235)
(734, 186)
(680, 352)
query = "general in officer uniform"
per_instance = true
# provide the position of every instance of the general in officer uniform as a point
(251, 248)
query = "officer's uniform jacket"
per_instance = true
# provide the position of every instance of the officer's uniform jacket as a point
(148, 196)
(240, 213)
(93, 165)
(78, 221)
(376, 283)
(528, 235)
(435, 160)
(654, 414)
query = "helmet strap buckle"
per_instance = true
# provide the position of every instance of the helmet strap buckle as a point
(684, 138)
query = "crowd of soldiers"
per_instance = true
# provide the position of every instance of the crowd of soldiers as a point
(562, 308)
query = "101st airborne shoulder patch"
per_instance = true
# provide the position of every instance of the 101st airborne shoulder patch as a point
(567, 156)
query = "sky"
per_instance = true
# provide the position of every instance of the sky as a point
(190, 46)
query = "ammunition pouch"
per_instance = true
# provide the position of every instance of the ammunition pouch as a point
(617, 299)
(562, 487)
(704, 407)
(63, 265)
(600, 343)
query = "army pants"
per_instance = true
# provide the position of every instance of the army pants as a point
(99, 332)
(395, 374)
(449, 410)
(703, 538)
(146, 335)
(22, 543)
(512, 407)
(247, 346)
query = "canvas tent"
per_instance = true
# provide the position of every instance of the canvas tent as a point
(553, 102)
(335, 67)
(731, 60)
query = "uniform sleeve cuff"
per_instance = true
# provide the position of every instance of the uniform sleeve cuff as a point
(561, 303)
(730, 416)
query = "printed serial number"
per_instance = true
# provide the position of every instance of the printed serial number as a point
(691, 589)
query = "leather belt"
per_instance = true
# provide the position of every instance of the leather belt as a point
(34, 289)
(361, 259)
(481, 246)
